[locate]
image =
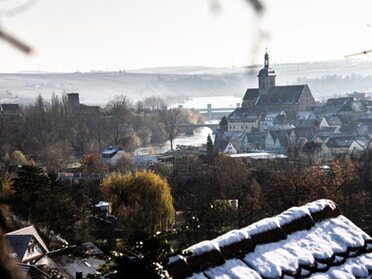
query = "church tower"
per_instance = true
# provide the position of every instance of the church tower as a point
(266, 77)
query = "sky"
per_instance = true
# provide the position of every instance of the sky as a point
(113, 35)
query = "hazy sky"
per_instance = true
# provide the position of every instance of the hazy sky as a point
(85, 35)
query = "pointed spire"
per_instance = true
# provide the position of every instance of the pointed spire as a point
(266, 60)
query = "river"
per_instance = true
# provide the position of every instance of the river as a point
(199, 138)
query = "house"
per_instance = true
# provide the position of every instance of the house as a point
(311, 241)
(256, 141)
(357, 147)
(243, 120)
(230, 148)
(231, 142)
(334, 105)
(27, 245)
(298, 136)
(9, 110)
(330, 121)
(33, 255)
(267, 122)
(348, 109)
(326, 132)
(111, 155)
(340, 145)
(305, 115)
(283, 122)
(143, 163)
(352, 111)
(29, 248)
(306, 123)
(277, 140)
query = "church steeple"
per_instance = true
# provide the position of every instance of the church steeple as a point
(266, 63)
(266, 76)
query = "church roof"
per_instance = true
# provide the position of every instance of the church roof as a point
(311, 241)
(251, 93)
(283, 95)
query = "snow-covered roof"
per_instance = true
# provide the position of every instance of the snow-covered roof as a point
(110, 150)
(311, 241)
(260, 155)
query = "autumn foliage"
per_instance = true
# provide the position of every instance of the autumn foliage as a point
(142, 201)
(91, 163)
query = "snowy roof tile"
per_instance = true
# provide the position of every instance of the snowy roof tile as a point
(311, 241)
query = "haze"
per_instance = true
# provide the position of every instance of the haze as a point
(86, 35)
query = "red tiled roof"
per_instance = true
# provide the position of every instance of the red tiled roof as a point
(311, 241)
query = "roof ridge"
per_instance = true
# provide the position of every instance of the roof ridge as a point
(237, 243)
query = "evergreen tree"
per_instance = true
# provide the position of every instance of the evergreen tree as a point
(209, 143)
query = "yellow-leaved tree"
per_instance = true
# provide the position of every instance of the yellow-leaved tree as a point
(141, 201)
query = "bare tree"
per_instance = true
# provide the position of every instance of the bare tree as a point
(171, 120)
(153, 103)
(119, 114)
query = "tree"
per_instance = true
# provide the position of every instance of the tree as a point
(153, 103)
(142, 201)
(91, 163)
(17, 158)
(42, 199)
(37, 126)
(171, 120)
(56, 156)
(130, 143)
(119, 114)
(28, 189)
(209, 143)
(124, 164)
(144, 259)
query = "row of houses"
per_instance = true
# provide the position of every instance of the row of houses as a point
(322, 137)
(287, 120)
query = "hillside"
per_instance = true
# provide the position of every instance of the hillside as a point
(179, 83)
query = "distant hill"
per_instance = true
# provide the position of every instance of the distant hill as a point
(179, 83)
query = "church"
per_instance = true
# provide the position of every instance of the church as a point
(269, 98)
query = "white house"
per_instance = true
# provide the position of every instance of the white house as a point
(111, 155)
(230, 148)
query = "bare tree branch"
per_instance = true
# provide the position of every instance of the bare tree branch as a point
(15, 42)
(17, 9)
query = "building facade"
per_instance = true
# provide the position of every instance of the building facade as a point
(269, 99)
